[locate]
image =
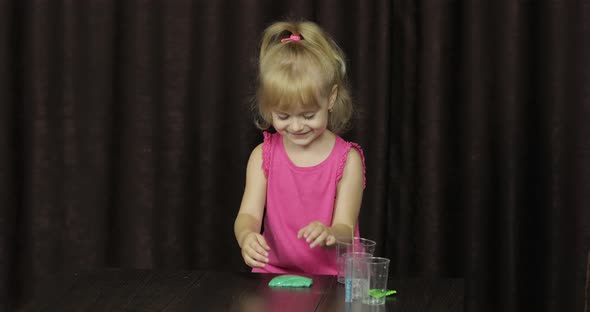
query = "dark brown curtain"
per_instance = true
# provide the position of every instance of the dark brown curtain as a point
(493, 99)
(125, 130)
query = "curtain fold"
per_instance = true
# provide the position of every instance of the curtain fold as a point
(8, 161)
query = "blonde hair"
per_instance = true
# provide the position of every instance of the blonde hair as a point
(295, 71)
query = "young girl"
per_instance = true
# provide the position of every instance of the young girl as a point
(309, 179)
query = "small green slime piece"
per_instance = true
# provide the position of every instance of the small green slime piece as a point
(290, 281)
(380, 293)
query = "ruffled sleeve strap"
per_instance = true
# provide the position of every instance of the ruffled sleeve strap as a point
(266, 152)
(343, 159)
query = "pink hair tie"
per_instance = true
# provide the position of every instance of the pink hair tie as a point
(291, 38)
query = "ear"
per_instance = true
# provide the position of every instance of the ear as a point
(333, 95)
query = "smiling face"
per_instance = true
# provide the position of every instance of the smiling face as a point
(299, 125)
(302, 124)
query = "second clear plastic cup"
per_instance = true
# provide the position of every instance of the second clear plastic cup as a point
(355, 275)
(358, 244)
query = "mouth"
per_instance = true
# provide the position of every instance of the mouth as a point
(299, 135)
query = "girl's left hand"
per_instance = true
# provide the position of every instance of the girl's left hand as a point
(317, 234)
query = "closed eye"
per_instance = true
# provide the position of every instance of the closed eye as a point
(282, 116)
(310, 116)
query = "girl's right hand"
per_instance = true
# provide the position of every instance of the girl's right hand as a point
(255, 250)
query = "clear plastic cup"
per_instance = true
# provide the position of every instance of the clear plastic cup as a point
(355, 276)
(357, 244)
(373, 273)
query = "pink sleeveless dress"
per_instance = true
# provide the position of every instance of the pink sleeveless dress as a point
(296, 196)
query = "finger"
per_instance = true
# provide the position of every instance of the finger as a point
(314, 233)
(253, 254)
(331, 240)
(300, 232)
(253, 262)
(256, 255)
(260, 249)
(304, 232)
(319, 240)
(260, 239)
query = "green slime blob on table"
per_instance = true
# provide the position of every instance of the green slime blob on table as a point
(290, 281)
(380, 293)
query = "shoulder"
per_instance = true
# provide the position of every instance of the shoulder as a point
(353, 152)
(352, 162)
(263, 147)
(269, 141)
(354, 159)
(255, 162)
(257, 152)
(262, 154)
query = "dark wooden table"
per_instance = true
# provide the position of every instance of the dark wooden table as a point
(143, 290)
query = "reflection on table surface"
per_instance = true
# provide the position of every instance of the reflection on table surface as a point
(151, 290)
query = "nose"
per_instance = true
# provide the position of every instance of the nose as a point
(296, 125)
